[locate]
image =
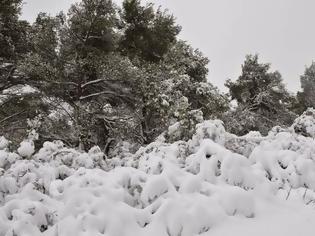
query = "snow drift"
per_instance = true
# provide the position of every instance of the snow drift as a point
(214, 184)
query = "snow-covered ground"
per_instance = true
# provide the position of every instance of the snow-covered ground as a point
(214, 184)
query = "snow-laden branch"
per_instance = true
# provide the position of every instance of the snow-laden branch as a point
(92, 82)
(101, 93)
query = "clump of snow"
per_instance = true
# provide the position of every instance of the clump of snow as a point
(26, 148)
(4, 143)
(202, 186)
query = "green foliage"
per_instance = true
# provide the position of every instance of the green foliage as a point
(15, 107)
(262, 99)
(147, 34)
(256, 85)
(89, 29)
(169, 91)
(13, 32)
(185, 60)
(307, 96)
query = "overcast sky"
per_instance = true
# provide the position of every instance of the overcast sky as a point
(281, 31)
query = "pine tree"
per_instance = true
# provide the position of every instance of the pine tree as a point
(307, 96)
(263, 101)
(15, 105)
(13, 32)
(13, 42)
(72, 61)
(174, 87)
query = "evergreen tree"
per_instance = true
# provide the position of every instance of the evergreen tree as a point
(71, 60)
(191, 66)
(13, 32)
(263, 101)
(13, 42)
(307, 96)
(176, 86)
(16, 105)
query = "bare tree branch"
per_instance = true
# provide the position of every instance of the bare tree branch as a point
(92, 82)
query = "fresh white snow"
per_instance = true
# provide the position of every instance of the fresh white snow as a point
(215, 184)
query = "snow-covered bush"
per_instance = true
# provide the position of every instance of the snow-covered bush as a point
(165, 189)
(185, 128)
(305, 124)
(243, 144)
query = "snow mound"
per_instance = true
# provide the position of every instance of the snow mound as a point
(194, 187)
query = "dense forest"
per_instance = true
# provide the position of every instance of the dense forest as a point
(102, 74)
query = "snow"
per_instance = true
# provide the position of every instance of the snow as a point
(4, 143)
(19, 90)
(26, 148)
(275, 218)
(213, 184)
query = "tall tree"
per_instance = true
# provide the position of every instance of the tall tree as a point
(13, 32)
(262, 98)
(191, 65)
(173, 87)
(15, 103)
(307, 96)
(72, 60)
(13, 42)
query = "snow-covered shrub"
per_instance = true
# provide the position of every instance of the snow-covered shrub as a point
(243, 144)
(287, 160)
(305, 124)
(213, 130)
(181, 188)
(185, 128)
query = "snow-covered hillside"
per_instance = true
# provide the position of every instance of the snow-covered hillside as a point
(214, 184)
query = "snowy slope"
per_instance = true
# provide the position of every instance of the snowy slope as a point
(198, 187)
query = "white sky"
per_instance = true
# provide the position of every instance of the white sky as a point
(281, 31)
